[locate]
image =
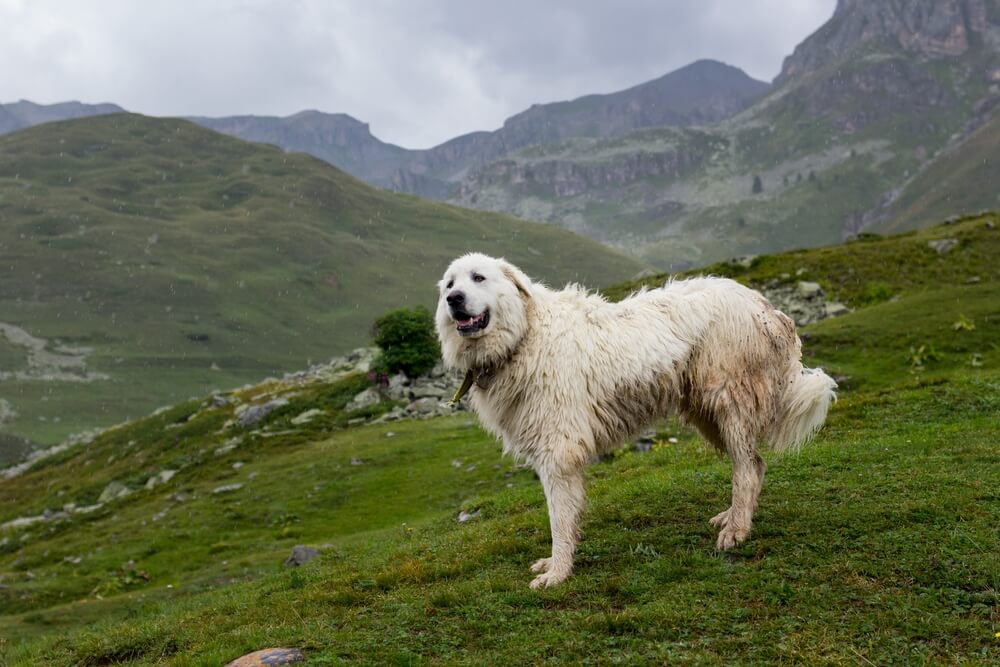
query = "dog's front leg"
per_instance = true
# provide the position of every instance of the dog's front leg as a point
(566, 499)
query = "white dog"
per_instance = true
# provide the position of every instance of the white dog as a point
(565, 376)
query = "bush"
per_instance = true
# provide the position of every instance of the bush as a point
(408, 341)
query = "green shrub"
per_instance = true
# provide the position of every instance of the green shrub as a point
(408, 341)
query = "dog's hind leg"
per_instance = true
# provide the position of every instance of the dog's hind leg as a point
(566, 499)
(748, 478)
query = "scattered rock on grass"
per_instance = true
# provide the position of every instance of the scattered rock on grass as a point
(255, 413)
(301, 555)
(227, 488)
(943, 246)
(269, 656)
(113, 491)
(306, 416)
(465, 516)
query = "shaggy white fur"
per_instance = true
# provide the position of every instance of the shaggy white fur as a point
(564, 376)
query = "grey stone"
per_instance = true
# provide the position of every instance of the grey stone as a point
(423, 405)
(428, 391)
(113, 491)
(943, 246)
(833, 309)
(254, 414)
(227, 488)
(159, 478)
(301, 555)
(365, 399)
(464, 516)
(306, 417)
(809, 289)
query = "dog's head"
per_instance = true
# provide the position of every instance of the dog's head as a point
(482, 311)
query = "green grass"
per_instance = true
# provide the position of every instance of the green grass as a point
(878, 544)
(190, 260)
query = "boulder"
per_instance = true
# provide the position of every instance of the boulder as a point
(943, 246)
(301, 555)
(428, 391)
(306, 416)
(269, 656)
(227, 488)
(809, 289)
(255, 413)
(113, 491)
(159, 478)
(833, 309)
(365, 399)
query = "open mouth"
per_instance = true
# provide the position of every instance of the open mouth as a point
(470, 324)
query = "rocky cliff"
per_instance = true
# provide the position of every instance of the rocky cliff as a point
(929, 28)
(705, 91)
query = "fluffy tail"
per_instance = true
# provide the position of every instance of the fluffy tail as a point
(802, 411)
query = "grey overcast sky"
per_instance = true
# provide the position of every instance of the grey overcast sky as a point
(419, 71)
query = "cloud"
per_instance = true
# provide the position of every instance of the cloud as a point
(418, 72)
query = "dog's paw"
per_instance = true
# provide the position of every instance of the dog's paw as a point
(541, 565)
(731, 536)
(553, 577)
(720, 520)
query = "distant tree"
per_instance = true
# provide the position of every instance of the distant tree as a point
(757, 187)
(408, 341)
(798, 177)
(812, 176)
(784, 180)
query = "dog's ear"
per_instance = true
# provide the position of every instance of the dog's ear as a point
(516, 276)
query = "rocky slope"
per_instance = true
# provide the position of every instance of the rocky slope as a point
(705, 91)
(863, 107)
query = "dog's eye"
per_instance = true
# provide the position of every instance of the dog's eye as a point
(451, 283)
(478, 278)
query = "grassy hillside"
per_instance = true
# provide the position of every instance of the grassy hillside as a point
(877, 544)
(145, 260)
(963, 180)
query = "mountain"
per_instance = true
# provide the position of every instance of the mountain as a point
(146, 259)
(963, 180)
(19, 115)
(162, 541)
(923, 28)
(339, 139)
(861, 109)
(705, 91)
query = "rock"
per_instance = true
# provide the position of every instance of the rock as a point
(398, 388)
(357, 462)
(306, 416)
(228, 446)
(438, 371)
(301, 555)
(423, 405)
(809, 289)
(113, 491)
(833, 309)
(159, 478)
(943, 246)
(645, 441)
(218, 401)
(464, 517)
(428, 391)
(227, 488)
(365, 399)
(357, 421)
(745, 262)
(254, 414)
(269, 656)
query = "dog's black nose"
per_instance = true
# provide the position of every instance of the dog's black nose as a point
(456, 298)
